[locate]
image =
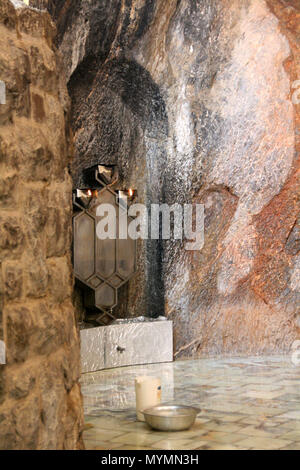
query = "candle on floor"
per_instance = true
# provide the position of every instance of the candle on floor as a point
(148, 394)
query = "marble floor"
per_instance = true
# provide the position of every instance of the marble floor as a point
(249, 403)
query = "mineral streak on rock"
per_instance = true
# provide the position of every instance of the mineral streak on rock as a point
(192, 99)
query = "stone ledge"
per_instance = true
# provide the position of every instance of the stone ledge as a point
(112, 346)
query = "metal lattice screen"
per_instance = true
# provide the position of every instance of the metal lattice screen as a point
(101, 266)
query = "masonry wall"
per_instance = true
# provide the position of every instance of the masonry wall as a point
(40, 398)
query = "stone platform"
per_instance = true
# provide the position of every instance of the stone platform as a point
(126, 344)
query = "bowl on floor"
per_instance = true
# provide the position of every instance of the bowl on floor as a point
(171, 417)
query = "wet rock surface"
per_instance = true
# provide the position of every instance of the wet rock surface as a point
(193, 101)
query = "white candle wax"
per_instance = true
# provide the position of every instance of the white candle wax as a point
(148, 394)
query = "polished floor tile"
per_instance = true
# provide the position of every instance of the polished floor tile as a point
(179, 444)
(246, 403)
(264, 443)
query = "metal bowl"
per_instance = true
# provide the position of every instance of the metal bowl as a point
(171, 417)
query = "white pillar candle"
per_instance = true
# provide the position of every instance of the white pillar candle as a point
(148, 394)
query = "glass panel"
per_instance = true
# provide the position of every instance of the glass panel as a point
(126, 257)
(105, 296)
(84, 242)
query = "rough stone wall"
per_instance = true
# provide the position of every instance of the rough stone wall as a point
(193, 100)
(40, 398)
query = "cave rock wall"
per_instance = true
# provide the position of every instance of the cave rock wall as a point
(193, 100)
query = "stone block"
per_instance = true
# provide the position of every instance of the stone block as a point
(9, 153)
(53, 405)
(8, 437)
(11, 236)
(13, 280)
(36, 24)
(60, 279)
(37, 167)
(8, 15)
(15, 73)
(32, 146)
(36, 278)
(58, 231)
(38, 108)
(20, 382)
(43, 69)
(74, 425)
(46, 336)
(8, 189)
(26, 419)
(18, 325)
